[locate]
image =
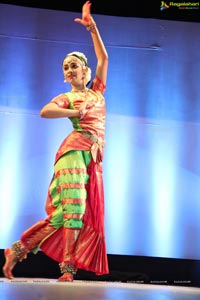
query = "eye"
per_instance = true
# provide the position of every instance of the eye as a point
(74, 66)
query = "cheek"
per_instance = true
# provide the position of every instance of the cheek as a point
(81, 73)
(65, 73)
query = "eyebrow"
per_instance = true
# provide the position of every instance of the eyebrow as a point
(69, 62)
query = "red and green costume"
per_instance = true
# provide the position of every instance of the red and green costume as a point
(73, 231)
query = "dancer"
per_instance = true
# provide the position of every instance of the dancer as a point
(73, 231)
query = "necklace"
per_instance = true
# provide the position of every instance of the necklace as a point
(86, 95)
(85, 90)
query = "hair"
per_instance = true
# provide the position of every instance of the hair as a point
(81, 56)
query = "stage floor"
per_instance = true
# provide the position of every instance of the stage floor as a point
(51, 289)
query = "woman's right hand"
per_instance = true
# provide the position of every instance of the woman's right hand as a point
(84, 109)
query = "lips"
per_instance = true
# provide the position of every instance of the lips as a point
(72, 77)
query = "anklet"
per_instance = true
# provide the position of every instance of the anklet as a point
(18, 250)
(67, 268)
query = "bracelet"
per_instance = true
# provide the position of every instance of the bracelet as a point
(81, 114)
(91, 26)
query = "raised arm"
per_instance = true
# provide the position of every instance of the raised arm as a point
(100, 50)
(52, 110)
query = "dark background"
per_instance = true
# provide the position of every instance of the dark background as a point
(136, 8)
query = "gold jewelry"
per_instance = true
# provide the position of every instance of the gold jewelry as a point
(19, 250)
(67, 268)
(80, 91)
(91, 26)
(81, 114)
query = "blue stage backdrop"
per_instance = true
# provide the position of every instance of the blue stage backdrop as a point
(152, 154)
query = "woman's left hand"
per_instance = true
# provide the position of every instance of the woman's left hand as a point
(87, 19)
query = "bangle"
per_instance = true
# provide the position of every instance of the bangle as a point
(81, 114)
(91, 26)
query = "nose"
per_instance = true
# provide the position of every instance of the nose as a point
(70, 70)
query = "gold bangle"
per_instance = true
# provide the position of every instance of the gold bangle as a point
(91, 26)
(81, 114)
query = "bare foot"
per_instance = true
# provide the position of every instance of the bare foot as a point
(9, 264)
(66, 277)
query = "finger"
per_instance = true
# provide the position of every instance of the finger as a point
(86, 7)
(78, 20)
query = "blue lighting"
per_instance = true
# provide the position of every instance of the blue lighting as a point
(152, 162)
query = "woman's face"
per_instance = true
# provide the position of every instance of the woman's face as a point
(73, 70)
